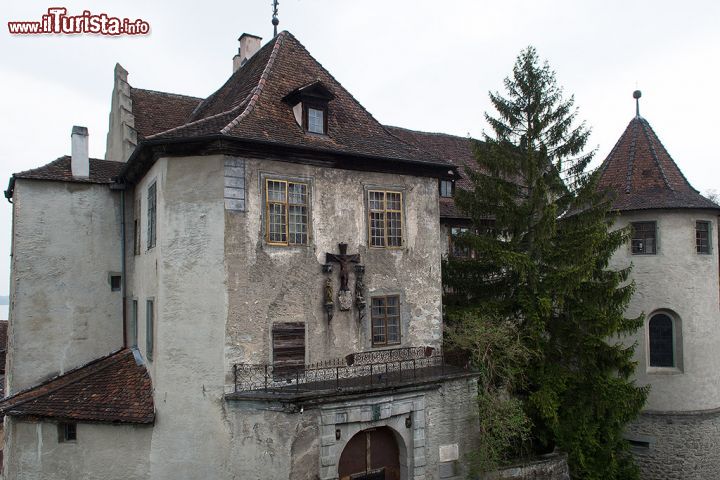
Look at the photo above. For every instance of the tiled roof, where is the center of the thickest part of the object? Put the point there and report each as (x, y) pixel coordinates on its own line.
(458, 151)
(156, 112)
(250, 106)
(101, 171)
(641, 174)
(113, 389)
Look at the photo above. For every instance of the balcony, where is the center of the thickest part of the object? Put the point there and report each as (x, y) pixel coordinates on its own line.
(357, 373)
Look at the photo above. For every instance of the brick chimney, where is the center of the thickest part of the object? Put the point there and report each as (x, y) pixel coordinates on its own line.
(80, 160)
(249, 45)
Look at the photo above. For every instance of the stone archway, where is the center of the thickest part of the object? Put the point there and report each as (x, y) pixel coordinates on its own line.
(371, 454)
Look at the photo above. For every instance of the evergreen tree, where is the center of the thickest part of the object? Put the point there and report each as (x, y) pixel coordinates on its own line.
(544, 265)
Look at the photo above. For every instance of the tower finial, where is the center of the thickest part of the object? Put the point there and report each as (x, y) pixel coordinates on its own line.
(636, 95)
(275, 20)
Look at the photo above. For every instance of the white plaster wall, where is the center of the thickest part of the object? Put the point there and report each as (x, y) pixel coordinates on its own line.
(101, 452)
(680, 280)
(269, 284)
(185, 275)
(66, 241)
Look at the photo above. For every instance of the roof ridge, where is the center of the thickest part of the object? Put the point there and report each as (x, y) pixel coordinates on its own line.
(644, 123)
(50, 380)
(631, 162)
(439, 134)
(166, 93)
(201, 120)
(255, 94)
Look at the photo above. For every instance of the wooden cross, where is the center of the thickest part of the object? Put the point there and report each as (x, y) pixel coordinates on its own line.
(344, 260)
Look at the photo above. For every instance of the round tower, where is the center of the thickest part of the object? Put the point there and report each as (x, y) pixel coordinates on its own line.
(674, 253)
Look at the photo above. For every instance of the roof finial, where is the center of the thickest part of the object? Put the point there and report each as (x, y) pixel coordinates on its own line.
(275, 20)
(636, 95)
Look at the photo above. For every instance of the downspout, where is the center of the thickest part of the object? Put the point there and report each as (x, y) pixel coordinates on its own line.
(117, 185)
(122, 266)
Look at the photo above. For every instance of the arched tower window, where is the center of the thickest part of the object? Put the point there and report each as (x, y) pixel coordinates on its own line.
(662, 340)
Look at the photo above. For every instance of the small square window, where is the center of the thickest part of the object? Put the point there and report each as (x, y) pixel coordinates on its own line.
(67, 432)
(702, 237)
(115, 283)
(316, 120)
(447, 188)
(644, 238)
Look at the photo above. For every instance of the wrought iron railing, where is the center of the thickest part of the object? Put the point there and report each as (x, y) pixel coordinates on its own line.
(356, 371)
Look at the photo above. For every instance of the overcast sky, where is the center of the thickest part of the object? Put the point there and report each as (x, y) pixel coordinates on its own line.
(425, 65)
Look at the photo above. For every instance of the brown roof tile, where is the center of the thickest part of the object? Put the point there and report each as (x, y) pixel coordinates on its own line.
(113, 389)
(155, 112)
(250, 106)
(641, 174)
(101, 171)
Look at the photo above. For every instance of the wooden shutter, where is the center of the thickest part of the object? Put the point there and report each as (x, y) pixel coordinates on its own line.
(288, 347)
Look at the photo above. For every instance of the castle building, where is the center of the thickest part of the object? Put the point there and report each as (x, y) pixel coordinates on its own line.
(247, 286)
(674, 254)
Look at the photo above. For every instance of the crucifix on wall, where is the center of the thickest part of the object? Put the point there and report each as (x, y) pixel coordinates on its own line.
(345, 297)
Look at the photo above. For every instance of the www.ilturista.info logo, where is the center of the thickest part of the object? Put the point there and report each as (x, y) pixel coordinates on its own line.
(57, 21)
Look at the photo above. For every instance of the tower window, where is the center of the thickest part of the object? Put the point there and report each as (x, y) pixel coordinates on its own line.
(644, 238)
(661, 336)
(115, 283)
(702, 237)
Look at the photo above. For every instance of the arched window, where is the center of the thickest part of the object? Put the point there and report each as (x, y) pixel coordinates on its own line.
(661, 333)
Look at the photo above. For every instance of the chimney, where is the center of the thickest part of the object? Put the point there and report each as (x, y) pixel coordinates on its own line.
(80, 160)
(249, 45)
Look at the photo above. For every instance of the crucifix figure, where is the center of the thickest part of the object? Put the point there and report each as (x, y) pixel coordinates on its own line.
(344, 260)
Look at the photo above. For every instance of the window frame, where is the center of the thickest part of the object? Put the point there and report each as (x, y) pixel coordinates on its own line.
(633, 239)
(152, 215)
(149, 328)
(321, 106)
(286, 205)
(137, 241)
(385, 317)
(677, 347)
(708, 238)
(451, 243)
(452, 188)
(67, 432)
(385, 211)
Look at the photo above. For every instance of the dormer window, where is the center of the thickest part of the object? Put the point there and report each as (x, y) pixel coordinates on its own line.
(310, 107)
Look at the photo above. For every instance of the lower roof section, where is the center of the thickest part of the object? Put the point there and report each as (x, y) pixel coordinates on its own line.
(113, 389)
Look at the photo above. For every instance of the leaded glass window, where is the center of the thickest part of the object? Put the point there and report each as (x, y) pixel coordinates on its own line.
(661, 341)
(287, 212)
(702, 237)
(385, 218)
(385, 313)
(644, 236)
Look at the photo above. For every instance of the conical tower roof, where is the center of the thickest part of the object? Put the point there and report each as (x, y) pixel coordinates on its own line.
(642, 175)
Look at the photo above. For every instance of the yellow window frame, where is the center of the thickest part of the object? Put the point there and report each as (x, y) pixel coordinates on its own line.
(286, 208)
(385, 211)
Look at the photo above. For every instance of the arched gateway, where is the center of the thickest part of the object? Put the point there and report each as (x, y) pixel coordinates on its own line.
(371, 454)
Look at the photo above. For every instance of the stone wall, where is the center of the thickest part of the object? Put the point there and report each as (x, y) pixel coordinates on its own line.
(267, 283)
(677, 446)
(547, 467)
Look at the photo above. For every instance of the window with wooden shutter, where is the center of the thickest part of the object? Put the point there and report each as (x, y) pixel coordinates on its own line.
(288, 343)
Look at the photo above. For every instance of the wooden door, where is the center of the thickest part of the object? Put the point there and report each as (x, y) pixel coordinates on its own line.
(372, 454)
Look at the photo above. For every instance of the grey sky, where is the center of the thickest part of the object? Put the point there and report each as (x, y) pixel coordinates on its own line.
(426, 65)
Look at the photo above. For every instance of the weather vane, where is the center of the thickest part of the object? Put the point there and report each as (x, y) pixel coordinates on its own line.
(275, 20)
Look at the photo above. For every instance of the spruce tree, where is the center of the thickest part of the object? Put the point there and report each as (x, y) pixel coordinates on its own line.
(544, 266)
